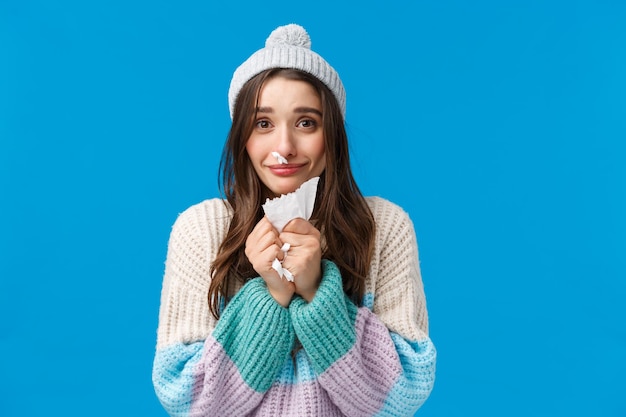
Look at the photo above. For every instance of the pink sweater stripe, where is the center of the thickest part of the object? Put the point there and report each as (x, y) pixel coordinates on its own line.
(361, 380)
(222, 393)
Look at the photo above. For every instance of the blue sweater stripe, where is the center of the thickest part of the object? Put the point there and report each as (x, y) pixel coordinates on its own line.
(174, 377)
(416, 382)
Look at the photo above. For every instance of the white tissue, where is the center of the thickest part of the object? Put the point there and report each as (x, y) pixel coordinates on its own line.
(282, 272)
(281, 159)
(281, 210)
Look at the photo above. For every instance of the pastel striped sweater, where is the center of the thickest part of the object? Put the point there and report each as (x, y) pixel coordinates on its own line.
(374, 360)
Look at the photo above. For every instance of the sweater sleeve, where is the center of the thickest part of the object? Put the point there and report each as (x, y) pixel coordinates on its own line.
(204, 365)
(379, 361)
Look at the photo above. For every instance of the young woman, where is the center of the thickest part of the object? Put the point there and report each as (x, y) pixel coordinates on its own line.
(348, 335)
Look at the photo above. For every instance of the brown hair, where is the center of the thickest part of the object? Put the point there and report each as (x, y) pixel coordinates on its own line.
(341, 213)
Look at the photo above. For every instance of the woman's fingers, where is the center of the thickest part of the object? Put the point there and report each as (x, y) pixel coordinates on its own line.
(263, 236)
(298, 251)
(303, 259)
(301, 227)
(263, 247)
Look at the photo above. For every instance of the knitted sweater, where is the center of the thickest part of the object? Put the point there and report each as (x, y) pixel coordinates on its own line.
(355, 361)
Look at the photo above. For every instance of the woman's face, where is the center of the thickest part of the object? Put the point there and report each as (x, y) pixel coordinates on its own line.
(288, 121)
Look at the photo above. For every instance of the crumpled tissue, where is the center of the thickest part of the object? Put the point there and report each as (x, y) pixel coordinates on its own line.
(281, 210)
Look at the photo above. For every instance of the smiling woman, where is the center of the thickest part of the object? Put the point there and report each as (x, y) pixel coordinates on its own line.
(289, 122)
(348, 334)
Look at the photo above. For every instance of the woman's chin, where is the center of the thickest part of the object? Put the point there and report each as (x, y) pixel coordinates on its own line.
(285, 188)
(282, 191)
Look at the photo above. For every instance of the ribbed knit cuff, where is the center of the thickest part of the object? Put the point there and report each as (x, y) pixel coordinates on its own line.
(325, 326)
(256, 333)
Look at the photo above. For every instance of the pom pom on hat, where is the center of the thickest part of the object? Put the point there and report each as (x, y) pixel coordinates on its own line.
(289, 35)
(287, 46)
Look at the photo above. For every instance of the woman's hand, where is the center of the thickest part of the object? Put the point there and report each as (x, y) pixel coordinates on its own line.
(304, 257)
(262, 247)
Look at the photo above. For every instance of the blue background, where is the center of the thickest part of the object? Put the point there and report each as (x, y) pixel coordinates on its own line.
(499, 127)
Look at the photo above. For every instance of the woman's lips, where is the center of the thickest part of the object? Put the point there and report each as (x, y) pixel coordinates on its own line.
(285, 169)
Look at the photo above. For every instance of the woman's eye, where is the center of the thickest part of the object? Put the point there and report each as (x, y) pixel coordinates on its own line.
(308, 123)
(262, 124)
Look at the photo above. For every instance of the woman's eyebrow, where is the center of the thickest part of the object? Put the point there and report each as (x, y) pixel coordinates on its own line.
(296, 110)
(307, 110)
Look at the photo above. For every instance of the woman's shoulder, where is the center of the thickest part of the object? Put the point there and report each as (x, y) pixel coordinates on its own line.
(213, 213)
(394, 227)
(387, 213)
(213, 208)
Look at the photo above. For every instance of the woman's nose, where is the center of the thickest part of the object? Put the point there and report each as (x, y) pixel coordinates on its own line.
(286, 145)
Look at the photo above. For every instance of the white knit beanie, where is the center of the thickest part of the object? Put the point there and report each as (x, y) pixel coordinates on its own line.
(287, 47)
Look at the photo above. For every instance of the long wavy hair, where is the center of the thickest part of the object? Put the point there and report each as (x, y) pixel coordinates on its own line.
(341, 213)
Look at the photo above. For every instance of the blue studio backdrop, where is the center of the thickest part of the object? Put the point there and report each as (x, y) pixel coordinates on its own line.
(498, 126)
